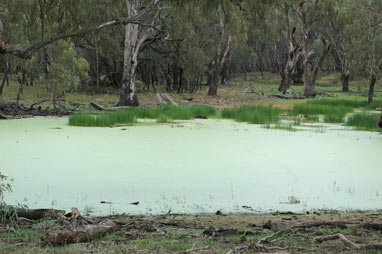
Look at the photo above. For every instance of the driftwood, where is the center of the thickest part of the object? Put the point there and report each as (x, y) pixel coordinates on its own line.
(101, 108)
(349, 243)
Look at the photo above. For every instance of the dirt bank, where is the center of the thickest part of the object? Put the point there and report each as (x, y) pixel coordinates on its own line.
(278, 233)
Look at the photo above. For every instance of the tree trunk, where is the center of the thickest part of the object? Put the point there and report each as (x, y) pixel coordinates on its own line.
(345, 81)
(373, 80)
(128, 96)
(213, 82)
(311, 67)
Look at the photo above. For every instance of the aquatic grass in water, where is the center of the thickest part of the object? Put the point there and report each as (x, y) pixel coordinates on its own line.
(174, 112)
(334, 118)
(88, 120)
(363, 121)
(317, 109)
(280, 126)
(338, 102)
(201, 110)
(163, 119)
(163, 113)
(253, 114)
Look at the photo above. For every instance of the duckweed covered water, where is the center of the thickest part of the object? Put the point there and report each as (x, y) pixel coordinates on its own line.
(197, 166)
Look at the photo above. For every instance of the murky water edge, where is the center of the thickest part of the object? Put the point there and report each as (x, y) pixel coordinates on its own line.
(198, 166)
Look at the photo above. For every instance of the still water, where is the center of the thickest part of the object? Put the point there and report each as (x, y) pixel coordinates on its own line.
(198, 166)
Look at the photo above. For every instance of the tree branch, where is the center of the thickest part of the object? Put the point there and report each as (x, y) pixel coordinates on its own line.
(26, 53)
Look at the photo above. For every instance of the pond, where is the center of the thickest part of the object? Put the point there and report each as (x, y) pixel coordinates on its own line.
(198, 166)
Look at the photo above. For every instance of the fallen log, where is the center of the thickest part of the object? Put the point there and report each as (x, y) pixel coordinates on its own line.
(168, 99)
(348, 243)
(159, 99)
(101, 108)
(80, 234)
(378, 109)
(38, 214)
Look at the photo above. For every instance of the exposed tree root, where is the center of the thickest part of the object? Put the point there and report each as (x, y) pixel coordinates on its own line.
(349, 243)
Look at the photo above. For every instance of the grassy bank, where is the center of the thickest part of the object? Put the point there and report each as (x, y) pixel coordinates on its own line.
(208, 234)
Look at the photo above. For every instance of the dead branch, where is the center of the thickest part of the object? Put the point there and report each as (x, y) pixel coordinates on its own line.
(80, 234)
(378, 109)
(197, 249)
(287, 97)
(339, 224)
(254, 246)
(348, 243)
(38, 214)
(373, 226)
(37, 103)
(26, 53)
(279, 233)
(101, 108)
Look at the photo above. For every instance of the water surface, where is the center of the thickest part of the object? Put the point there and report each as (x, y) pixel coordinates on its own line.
(198, 166)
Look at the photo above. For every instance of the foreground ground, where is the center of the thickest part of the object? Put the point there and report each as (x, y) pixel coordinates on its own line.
(277, 233)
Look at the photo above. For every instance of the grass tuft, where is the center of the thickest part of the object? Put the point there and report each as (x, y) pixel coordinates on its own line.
(253, 114)
(363, 121)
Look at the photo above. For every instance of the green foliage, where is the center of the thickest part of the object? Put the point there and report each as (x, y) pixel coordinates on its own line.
(363, 121)
(7, 212)
(253, 114)
(68, 69)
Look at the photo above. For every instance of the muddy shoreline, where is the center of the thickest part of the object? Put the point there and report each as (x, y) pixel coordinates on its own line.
(331, 232)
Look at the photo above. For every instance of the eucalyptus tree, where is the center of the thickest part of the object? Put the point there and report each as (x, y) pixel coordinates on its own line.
(66, 19)
(134, 39)
(337, 19)
(303, 20)
(366, 30)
